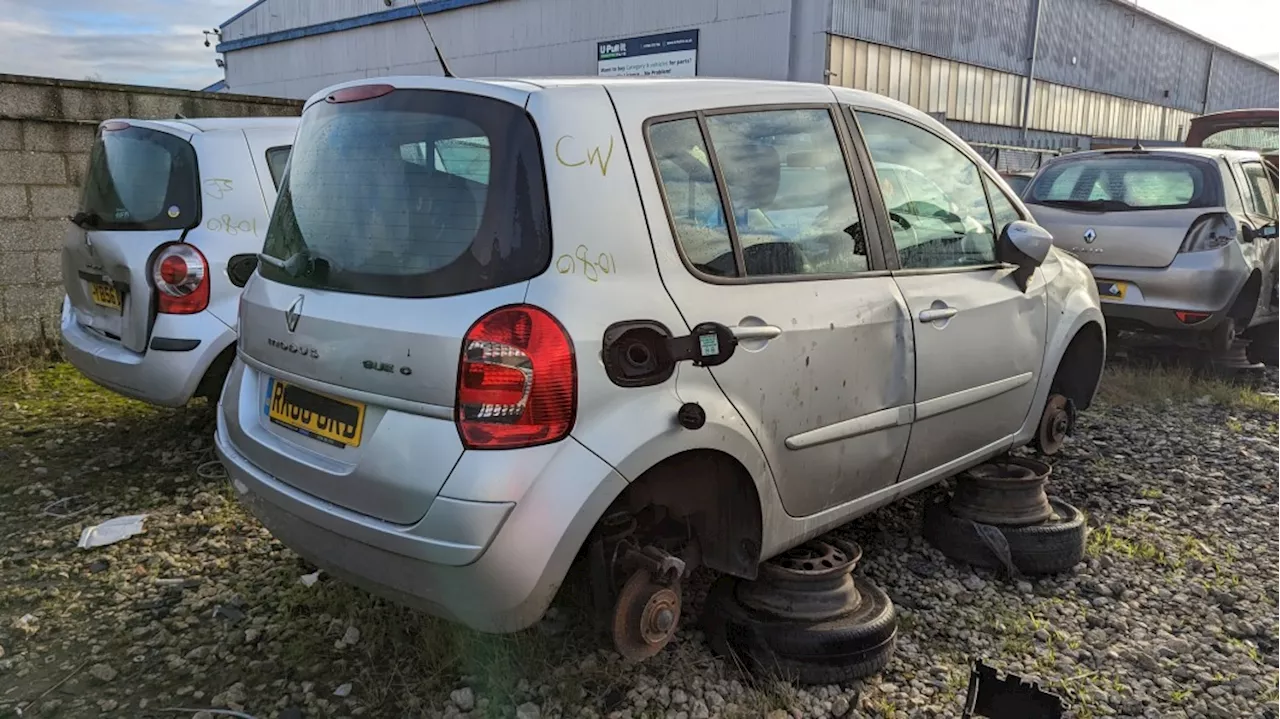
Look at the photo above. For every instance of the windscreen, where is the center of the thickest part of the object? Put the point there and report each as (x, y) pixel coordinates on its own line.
(140, 179)
(416, 193)
(1110, 183)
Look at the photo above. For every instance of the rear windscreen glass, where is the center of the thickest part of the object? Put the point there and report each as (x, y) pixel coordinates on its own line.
(417, 193)
(1115, 183)
(1265, 140)
(141, 179)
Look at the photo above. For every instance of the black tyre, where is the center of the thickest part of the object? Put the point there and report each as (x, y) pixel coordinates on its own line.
(1047, 548)
(853, 646)
(1264, 344)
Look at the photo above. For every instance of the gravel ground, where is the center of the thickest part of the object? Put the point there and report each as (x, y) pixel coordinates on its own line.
(1173, 613)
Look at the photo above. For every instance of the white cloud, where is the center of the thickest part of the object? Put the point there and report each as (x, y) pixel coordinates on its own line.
(147, 42)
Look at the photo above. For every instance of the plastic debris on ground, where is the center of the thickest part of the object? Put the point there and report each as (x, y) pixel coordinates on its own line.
(310, 579)
(111, 531)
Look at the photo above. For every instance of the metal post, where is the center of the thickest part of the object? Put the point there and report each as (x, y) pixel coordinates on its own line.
(1031, 67)
(1208, 80)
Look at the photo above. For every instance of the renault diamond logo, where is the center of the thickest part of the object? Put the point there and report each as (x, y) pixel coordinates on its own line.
(1090, 235)
(292, 314)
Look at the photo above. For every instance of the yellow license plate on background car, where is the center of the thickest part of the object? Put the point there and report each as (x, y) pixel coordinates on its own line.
(105, 295)
(327, 419)
(1113, 291)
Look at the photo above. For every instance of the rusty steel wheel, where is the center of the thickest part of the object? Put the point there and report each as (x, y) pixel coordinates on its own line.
(811, 582)
(645, 616)
(1055, 425)
(1008, 492)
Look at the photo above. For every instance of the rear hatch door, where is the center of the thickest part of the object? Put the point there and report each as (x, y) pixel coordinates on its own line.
(141, 192)
(404, 217)
(1123, 209)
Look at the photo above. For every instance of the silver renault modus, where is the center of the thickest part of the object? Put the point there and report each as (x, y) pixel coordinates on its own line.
(494, 320)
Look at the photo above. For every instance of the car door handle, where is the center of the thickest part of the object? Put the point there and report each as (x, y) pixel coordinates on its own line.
(937, 313)
(755, 332)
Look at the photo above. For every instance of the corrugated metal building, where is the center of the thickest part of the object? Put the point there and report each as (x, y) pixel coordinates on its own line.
(1095, 69)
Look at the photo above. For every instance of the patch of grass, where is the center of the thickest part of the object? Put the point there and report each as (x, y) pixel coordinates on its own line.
(1150, 493)
(1123, 385)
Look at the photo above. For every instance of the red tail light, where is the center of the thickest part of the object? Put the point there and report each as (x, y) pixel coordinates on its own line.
(181, 277)
(517, 380)
(1191, 318)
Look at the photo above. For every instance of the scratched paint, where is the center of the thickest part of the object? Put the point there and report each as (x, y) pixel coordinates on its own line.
(227, 225)
(217, 187)
(570, 154)
(581, 263)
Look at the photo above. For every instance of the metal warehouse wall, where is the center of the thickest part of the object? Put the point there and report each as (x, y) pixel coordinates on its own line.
(738, 38)
(1100, 45)
(989, 33)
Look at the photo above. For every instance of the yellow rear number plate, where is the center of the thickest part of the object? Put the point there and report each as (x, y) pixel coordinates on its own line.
(1112, 290)
(105, 295)
(327, 419)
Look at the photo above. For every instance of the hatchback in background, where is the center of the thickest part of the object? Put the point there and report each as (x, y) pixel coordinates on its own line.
(660, 322)
(171, 219)
(1181, 241)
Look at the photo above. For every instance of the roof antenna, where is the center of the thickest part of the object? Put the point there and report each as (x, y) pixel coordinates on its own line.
(439, 56)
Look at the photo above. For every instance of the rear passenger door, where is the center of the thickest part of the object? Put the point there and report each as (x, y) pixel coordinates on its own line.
(770, 228)
(979, 338)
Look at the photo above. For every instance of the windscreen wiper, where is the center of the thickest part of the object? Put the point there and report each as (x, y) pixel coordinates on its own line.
(86, 219)
(1087, 205)
(303, 262)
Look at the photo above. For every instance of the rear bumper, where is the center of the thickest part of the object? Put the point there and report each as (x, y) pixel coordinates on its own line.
(166, 377)
(1203, 282)
(491, 565)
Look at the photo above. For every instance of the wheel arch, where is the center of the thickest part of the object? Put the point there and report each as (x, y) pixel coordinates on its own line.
(716, 494)
(210, 384)
(1245, 305)
(1079, 370)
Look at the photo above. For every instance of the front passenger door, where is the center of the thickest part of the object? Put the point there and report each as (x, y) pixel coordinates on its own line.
(979, 338)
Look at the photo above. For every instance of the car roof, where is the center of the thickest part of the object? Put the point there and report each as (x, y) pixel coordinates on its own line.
(694, 86)
(1163, 151)
(194, 125)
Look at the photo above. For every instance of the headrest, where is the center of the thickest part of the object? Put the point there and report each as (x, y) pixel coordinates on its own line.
(752, 172)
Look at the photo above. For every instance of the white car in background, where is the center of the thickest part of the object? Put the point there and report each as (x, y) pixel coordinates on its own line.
(169, 226)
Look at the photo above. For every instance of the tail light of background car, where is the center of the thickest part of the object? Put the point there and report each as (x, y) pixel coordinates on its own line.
(181, 277)
(517, 380)
(1209, 232)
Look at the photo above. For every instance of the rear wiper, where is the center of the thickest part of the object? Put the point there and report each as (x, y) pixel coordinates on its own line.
(1088, 205)
(83, 219)
(303, 262)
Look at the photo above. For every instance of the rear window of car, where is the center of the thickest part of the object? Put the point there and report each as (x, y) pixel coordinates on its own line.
(417, 193)
(1117, 183)
(1264, 140)
(140, 179)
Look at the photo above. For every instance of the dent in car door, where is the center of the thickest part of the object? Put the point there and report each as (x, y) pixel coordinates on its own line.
(823, 372)
(979, 339)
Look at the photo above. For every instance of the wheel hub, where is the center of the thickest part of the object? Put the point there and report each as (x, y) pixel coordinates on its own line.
(1005, 493)
(811, 582)
(1055, 425)
(645, 617)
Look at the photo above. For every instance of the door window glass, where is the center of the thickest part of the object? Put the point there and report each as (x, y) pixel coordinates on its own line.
(789, 191)
(934, 194)
(277, 160)
(692, 197)
(1002, 209)
(1264, 193)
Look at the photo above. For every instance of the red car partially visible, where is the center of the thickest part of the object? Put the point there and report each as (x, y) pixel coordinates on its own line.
(1254, 129)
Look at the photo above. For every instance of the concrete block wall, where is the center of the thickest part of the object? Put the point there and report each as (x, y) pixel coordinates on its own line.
(47, 129)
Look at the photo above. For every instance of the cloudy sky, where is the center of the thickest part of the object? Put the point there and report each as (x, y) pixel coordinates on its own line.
(159, 42)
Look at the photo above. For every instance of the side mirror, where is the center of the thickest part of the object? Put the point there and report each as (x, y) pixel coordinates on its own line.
(1026, 245)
